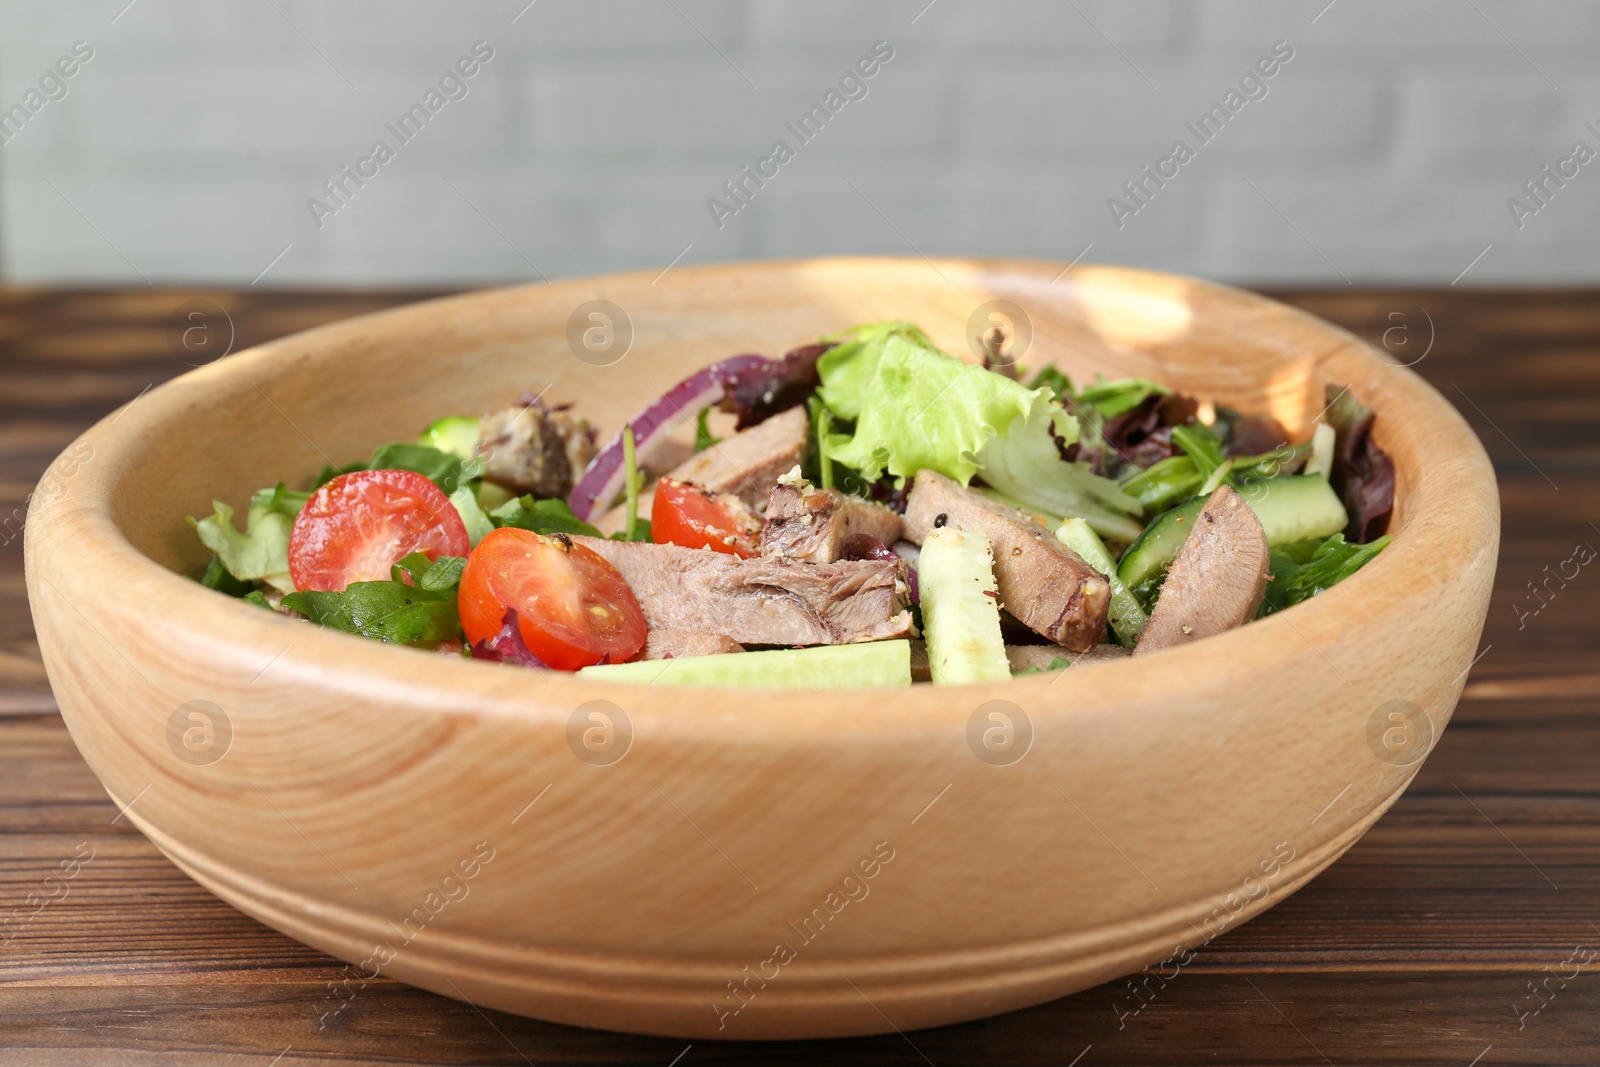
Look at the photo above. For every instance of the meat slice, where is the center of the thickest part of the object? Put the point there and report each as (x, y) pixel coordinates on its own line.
(813, 524)
(531, 448)
(748, 463)
(675, 644)
(1041, 582)
(763, 600)
(1023, 657)
(1217, 579)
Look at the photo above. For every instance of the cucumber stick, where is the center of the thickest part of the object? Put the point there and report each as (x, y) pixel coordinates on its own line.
(960, 608)
(455, 434)
(871, 665)
(1126, 616)
(1293, 508)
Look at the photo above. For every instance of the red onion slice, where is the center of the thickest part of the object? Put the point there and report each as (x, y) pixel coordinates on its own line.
(507, 646)
(602, 480)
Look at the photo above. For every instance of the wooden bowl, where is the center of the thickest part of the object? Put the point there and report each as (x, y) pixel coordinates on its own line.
(755, 865)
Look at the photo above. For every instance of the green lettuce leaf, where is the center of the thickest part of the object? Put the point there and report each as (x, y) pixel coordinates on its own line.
(849, 367)
(260, 553)
(1025, 466)
(923, 409)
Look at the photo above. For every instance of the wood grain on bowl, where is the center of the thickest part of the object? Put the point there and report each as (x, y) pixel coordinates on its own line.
(732, 864)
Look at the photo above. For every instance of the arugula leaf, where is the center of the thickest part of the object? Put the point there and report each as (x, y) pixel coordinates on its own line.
(641, 532)
(444, 469)
(260, 553)
(1164, 483)
(432, 575)
(329, 472)
(541, 516)
(1305, 568)
(1200, 445)
(384, 611)
(703, 438)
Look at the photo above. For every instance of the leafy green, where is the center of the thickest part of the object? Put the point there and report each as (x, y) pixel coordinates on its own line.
(260, 553)
(1164, 483)
(384, 611)
(444, 469)
(641, 532)
(1122, 395)
(923, 409)
(1057, 382)
(1200, 445)
(703, 437)
(1305, 568)
(218, 578)
(433, 575)
(541, 516)
(422, 613)
(258, 598)
(473, 517)
(280, 498)
(848, 367)
(329, 472)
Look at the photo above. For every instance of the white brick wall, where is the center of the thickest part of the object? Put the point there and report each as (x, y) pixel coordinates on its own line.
(186, 149)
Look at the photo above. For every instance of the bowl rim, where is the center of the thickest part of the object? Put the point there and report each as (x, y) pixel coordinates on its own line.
(1446, 518)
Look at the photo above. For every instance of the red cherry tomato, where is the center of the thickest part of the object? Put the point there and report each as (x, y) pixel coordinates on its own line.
(359, 525)
(687, 515)
(573, 608)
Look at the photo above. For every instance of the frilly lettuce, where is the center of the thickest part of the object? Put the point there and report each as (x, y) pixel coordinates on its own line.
(917, 408)
(260, 553)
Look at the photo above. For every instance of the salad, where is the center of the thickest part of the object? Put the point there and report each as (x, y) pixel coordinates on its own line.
(866, 510)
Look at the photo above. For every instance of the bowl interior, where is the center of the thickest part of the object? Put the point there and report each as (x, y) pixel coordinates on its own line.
(331, 395)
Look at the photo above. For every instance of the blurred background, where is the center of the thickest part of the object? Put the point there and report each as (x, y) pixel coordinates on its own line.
(193, 144)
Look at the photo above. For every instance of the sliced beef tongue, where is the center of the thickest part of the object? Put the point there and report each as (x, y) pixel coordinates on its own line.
(764, 600)
(816, 524)
(748, 463)
(675, 644)
(1041, 581)
(1217, 580)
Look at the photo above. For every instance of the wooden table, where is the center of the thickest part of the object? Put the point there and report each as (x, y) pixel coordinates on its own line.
(1422, 945)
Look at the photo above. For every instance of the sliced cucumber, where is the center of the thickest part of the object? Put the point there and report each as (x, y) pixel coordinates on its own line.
(1321, 461)
(1292, 508)
(961, 608)
(1126, 616)
(1158, 546)
(871, 665)
(1296, 507)
(491, 496)
(455, 434)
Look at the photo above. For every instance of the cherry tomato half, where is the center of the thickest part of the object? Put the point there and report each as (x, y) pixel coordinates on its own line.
(687, 515)
(359, 525)
(573, 608)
